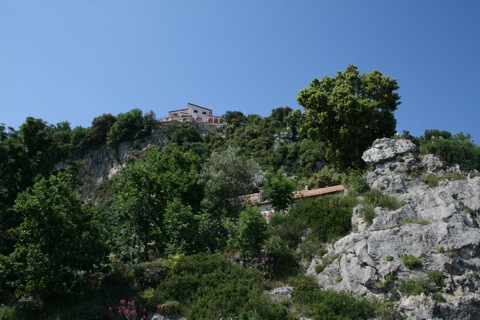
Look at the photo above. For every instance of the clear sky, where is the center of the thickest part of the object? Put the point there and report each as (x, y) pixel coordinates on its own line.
(75, 60)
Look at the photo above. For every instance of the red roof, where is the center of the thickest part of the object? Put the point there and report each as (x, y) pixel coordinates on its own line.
(302, 193)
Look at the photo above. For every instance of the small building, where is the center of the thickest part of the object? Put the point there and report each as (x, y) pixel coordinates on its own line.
(266, 206)
(196, 115)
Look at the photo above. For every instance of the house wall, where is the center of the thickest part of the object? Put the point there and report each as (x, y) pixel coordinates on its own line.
(195, 114)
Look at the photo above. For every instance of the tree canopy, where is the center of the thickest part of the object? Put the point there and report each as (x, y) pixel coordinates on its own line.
(348, 112)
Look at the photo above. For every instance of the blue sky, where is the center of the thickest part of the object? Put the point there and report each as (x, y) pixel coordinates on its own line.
(75, 60)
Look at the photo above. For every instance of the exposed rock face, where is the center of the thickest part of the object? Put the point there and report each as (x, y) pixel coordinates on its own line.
(387, 149)
(104, 163)
(438, 225)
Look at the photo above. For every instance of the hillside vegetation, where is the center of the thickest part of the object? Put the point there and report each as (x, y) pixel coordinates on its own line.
(169, 234)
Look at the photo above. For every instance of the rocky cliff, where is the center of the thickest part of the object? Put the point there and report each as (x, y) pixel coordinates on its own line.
(102, 164)
(424, 256)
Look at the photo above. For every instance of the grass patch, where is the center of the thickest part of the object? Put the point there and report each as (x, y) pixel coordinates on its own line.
(376, 198)
(385, 283)
(431, 180)
(423, 221)
(425, 285)
(411, 262)
(368, 213)
(416, 287)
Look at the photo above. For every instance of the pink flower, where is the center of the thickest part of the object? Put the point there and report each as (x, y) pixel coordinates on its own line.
(122, 302)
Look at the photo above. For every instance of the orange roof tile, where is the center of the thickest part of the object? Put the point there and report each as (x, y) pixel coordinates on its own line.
(303, 193)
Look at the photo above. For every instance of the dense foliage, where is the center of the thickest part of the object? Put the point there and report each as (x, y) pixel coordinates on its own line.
(348, 112)
(175, 231)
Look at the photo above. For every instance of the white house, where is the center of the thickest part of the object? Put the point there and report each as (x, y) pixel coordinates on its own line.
(196, 115)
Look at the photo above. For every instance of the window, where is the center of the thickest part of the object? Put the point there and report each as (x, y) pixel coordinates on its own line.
(203, 112)
(195, 111)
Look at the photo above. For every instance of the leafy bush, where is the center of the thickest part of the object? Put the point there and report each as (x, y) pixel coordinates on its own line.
(390, 202)
(459, 149)
(329, 216)
(355, 181)
(326, 177)
(149, 274)
(290, 229)
(33, 309)
(131, 126)
(411, 262)
(170, 308)
(417, 286)
(368, 213)
(376, 198)
(250, 232)
(286, 260)
(329, 304)
(454, 176)
(201, 282)
(435, 276)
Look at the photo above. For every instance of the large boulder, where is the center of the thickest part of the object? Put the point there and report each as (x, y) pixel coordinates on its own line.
(387, 149)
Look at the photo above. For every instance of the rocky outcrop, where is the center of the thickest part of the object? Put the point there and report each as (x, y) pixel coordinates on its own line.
(387, 149)
(439, 226)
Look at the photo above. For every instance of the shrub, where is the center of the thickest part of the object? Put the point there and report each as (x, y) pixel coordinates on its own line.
(290, 229)
(311, 248)
(149, 274)
(286, 260)
(376, 198)
(411, 262)
(326, 177)
(355, 181)
(328, 216)
(202, 282)
(440, 298)
(170, 308)
(417, 286)
(454, 176)
(328, 304)
(435, 276)
(390, 202)
(459, 149)
(383, 284)
(431, 180)
(368, 213)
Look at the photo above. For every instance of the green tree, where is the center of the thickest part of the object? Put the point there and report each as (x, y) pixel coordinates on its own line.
(58, 242)
(181, 228)
(279, 190)
(226, 176)
(348, 112)
(147, 187)
(131, 126)
(100, 128)
(250, 232)
(457, 149)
